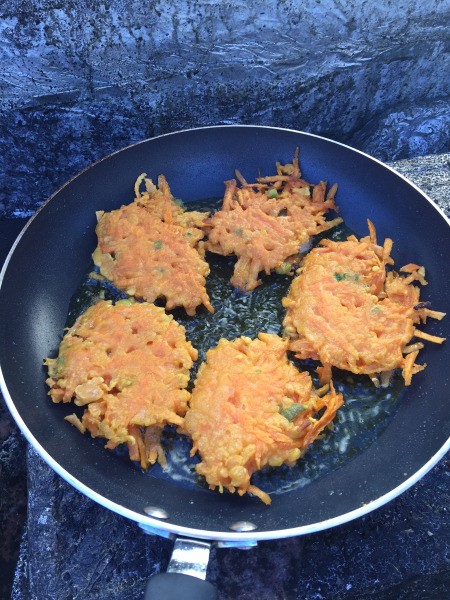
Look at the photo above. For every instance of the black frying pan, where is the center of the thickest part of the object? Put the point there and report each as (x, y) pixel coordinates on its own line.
(52, 255)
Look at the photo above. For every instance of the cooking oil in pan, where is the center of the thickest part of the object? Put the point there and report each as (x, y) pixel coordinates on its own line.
(366, 412)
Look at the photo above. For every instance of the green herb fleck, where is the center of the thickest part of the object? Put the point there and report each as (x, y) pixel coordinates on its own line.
(291, 412)
(284, 268)
(179, 202)
(239, 232)
(96, 276)
(272, 193)
(346, 276)
(158, 245)
(125, 302)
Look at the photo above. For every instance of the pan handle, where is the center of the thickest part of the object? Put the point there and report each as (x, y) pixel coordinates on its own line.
(186, 573)
(176, 586)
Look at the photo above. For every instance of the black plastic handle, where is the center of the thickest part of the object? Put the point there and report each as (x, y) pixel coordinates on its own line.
(177, 586)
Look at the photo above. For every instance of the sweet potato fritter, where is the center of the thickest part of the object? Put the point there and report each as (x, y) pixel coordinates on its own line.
(160, 202)
(347, 311)
(251, 407)
(149, 249)
(128, 363)
(265, 223)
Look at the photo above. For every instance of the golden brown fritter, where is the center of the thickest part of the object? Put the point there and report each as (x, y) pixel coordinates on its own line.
(151, 258)
(128, 363)
(260, 240)
(251, 407)
(264, 224)
(347, 311)
(160, 202)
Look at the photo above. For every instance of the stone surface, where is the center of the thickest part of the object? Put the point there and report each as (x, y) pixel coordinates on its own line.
(13, 496)
(398, 552)
(414, 130)
(431, 174)
(79, 80)
(13, 487)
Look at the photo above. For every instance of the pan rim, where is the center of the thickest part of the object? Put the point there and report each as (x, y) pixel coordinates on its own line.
(156, 525)
(160, 526)
(209, 127)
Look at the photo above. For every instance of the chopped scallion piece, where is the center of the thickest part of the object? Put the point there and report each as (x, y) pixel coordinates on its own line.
(179, 202)
(346, 276)
(291, 412)
(125, 302)
(272, 193)
(284, 268)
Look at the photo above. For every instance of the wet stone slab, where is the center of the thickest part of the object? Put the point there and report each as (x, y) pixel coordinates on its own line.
(79, 81)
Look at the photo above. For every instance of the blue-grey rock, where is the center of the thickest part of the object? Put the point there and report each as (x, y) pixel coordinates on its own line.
(432, 175)
(415, 130)
(13, 498)
(80, 79)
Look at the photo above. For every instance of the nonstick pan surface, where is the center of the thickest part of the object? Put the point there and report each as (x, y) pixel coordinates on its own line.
(52, 255)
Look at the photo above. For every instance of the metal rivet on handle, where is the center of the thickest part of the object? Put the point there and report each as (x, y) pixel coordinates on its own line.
(155, 511)
(242, 526)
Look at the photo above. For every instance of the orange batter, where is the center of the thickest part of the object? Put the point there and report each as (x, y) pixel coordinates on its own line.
(264, 224)
(251, 407)
(345, 310)
(160, 202)
(149, 249)
(128, 364)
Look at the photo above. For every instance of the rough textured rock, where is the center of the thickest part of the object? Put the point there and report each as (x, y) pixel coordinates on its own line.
(431, 174)
(411, 130)
(79, 80)
(13, 496)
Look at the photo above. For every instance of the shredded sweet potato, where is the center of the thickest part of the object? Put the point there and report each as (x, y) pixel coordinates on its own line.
(128, 364)
(159, 201)
(265, 223)
(346, 310)
(251, 407)
(149, 249)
